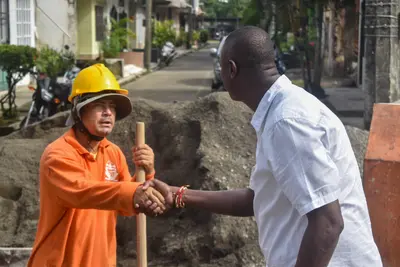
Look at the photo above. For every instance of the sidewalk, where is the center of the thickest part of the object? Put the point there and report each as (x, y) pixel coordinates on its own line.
(347, 103)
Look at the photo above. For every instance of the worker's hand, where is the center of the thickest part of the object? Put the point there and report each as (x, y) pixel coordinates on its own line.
(143, 156)
(163, 188)
(149, 201)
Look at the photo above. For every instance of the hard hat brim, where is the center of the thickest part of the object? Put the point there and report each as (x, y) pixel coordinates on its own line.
(123, 105)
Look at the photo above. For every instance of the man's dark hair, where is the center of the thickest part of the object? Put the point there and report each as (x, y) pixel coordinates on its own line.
(250, 47)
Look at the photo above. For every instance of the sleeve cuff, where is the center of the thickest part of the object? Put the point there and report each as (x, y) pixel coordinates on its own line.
(318, 202)
(126, 192)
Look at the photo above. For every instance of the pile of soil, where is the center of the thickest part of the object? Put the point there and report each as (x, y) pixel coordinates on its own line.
(208, 144)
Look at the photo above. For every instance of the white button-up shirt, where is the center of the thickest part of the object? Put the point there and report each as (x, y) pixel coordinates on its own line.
(304, 160)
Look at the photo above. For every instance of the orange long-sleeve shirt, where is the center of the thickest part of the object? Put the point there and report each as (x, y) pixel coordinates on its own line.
(80, 196)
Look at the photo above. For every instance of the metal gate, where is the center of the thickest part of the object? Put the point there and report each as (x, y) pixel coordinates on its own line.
(4, 37)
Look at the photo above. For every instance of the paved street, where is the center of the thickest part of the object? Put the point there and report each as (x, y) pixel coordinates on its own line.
(185, 79)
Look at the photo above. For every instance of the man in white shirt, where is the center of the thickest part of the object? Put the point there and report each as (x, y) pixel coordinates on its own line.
(305, 189)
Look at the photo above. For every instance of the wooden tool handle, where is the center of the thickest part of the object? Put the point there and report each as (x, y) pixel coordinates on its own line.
(141, 235)
(140, 140)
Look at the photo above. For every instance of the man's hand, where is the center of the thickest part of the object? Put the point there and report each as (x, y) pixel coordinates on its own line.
(149, 201)
(143, 156)
(163, 188)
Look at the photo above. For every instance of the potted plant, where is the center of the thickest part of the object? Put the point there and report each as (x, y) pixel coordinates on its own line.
(196, 38)
(114, 47)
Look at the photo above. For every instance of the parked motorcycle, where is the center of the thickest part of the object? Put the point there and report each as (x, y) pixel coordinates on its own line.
(49, 97)
(168, 53)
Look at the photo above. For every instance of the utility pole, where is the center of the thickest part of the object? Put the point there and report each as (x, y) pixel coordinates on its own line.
(191, 18)
(190, 33)
(147, 46)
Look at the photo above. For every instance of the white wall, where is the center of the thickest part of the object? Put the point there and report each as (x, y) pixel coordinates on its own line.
(56, 24)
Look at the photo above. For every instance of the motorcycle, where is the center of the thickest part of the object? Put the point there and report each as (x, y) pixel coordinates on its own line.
(168, 53)
(49, 97)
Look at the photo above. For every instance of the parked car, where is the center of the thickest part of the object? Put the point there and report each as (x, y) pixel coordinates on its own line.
(216, 53)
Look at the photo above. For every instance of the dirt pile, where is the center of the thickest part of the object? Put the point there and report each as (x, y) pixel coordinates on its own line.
(208, 144)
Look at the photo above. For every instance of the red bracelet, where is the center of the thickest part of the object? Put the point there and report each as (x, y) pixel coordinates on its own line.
(151, 175)
(179, 197)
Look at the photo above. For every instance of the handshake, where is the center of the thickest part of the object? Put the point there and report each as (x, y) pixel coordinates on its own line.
(155, 197)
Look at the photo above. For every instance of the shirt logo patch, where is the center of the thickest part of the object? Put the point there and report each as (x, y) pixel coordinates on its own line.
(111, 172)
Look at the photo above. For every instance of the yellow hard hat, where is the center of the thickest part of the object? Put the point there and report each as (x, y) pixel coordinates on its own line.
(95, 79)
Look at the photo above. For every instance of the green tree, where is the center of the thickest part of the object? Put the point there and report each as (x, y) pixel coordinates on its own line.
(16, 61)
(220, 9)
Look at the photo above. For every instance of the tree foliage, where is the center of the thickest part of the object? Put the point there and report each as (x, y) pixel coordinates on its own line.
(117, 38)
(225, 9)
(16, 61)
(53, 62)
(163, 31)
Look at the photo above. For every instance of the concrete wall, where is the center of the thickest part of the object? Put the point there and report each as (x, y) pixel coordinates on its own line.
(381, 68)
(56, 24)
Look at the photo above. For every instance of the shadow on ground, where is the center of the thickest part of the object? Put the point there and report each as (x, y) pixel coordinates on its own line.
(165, 95)
(194, 81)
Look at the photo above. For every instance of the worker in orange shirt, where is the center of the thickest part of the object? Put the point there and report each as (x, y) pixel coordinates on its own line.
(85, 181)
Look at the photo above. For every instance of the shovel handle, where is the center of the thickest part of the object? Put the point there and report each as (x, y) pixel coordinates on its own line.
(141, 235)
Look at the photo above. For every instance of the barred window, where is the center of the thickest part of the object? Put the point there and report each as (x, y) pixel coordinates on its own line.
(99, 13)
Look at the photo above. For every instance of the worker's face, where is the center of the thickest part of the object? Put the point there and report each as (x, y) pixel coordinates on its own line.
(99, 117)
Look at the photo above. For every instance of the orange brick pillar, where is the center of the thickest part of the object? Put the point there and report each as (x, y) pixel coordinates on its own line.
(382, 181)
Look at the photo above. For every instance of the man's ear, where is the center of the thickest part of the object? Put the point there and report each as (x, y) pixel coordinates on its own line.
(232, 69)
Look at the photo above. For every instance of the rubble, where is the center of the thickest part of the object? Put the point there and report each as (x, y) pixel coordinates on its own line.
(208, 144)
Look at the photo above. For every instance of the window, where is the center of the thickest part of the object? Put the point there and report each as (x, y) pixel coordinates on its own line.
(24, 22)
(169, 13)
(99, 23)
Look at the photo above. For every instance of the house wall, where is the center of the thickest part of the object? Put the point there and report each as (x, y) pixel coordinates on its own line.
(88, 47)
(56, 24)
(85, 28)
(163, 15)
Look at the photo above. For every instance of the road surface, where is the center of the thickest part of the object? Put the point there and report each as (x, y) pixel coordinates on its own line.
(186, 79)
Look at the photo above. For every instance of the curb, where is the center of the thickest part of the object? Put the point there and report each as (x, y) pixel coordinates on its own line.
(133, 77)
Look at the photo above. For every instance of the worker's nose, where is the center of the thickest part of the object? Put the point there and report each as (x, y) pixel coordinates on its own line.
(107, 111)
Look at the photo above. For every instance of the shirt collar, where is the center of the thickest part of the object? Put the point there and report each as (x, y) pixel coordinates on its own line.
(266, 101)
(70, 138)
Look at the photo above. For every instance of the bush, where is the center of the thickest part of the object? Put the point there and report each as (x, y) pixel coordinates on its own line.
(181, 38)
(53, 62)
(204, 35)
(163, 32)
(16, 61)
(111, 47)
(117, 38)
(196, 36)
